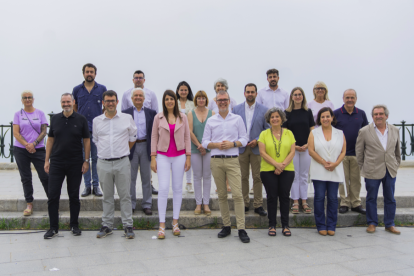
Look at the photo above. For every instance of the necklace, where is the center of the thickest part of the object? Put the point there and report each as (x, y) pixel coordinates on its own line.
(277, 147)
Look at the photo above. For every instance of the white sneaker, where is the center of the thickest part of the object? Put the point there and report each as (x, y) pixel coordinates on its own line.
(251, 191)
(189, 188)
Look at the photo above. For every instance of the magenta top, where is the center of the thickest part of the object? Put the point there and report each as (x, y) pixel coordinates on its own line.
(172, 148)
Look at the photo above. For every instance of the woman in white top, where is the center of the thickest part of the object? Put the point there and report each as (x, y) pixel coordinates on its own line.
(327, 147)
(321, 99)
(186, 104)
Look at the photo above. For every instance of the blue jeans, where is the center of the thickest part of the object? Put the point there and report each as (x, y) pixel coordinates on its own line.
(87, 175)
(331, 189)
(390, 206)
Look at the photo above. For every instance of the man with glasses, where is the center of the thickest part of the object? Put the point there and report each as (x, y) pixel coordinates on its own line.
(114, 135)
(150, 102)
(224, 133)
(273, 95)
(88, 102)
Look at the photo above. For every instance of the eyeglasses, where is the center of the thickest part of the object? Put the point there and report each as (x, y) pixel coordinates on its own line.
(138, 78)
(27, 98)
(297, 95)
(319, 88)
(110, 101)
(223, 100)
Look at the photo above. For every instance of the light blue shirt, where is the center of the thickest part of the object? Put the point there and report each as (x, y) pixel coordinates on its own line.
(139, 118)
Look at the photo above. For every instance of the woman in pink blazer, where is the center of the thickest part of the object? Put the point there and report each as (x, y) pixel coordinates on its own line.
(170, 152)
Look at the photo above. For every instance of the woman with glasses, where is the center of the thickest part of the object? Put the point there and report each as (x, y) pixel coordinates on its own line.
(170, 153)
(300, 121)
(186, 104)
(200, 157)
(29, 130)
(321, 99)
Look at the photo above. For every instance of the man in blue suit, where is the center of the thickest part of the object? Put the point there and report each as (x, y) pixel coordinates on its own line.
(254, 120)
(140, 155)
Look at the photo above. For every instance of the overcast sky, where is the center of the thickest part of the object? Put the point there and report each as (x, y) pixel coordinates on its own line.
(365, 45)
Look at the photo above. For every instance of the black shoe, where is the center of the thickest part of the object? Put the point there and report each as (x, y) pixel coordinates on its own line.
(260, 211)
(225, 231)
(50, 234)
(133, 210)
(86, 192)
(154, 191)
(97, 191)
(76, 231)
(246, 209)
(243, 236)
(129, 233)
(105, 231)
(359, 209)
(343, 209)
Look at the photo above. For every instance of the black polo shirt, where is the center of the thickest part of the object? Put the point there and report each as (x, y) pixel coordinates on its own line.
(68, 134)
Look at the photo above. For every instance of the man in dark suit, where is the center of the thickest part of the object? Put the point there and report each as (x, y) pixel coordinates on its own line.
(253, 115)
(140, 155)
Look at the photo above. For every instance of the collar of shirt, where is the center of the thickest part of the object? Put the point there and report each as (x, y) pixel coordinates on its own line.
(71, 115)
(377, 130)
(106, 118)
(344, 111)
(249, 107)
(96, 84)
(271, 90)
(142, 109)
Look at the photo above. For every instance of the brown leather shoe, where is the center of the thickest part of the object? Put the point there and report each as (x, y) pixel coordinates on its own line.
(147, 211)
(331, 233)
(393, 230)
(371, 228)
(322, 232)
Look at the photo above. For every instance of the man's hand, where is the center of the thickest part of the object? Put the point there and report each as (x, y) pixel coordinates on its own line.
(252, 143)
(226, 145)
(47, 166)
(85, 167)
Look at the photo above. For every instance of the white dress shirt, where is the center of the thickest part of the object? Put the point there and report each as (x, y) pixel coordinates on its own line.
(139, 119)
(111, 136)
(150, 101)
(269, 98)
(249, 111)
(218, 129)
(382, 137)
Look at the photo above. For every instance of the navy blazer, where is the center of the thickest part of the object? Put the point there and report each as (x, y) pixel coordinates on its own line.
(149, 120)
(258, 123)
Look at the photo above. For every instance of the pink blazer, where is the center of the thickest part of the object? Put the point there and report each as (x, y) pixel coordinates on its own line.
(160, 137)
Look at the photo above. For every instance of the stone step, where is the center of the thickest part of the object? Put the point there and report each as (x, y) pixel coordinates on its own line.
(93, 203)
(92, 219)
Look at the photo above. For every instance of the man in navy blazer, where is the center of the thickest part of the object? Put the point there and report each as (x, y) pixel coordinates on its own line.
(253, 115)
(140, 154)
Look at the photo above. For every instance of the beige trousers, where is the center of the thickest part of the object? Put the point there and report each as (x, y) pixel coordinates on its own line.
(352, 183)
(245, 159)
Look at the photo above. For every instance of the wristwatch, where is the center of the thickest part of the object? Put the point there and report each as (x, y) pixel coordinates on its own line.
(235, 144)
(87, 160)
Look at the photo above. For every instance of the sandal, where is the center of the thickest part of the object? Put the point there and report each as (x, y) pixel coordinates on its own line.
(306, 208)
(29, 209)
(161, 233)
(295, 210)
(176, 230)
(286, 233)
(272, 232)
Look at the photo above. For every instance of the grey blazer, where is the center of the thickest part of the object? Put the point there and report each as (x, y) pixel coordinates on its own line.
(373, 160)
(258, 123)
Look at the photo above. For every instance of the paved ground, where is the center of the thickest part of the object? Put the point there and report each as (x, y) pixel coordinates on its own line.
(351, 251)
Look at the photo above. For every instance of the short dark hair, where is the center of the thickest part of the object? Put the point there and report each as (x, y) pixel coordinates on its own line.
(190, 93)
(139, 72)
(250, 84)
(109, 93)
(324, 109)
(272, 71)
(89, 65)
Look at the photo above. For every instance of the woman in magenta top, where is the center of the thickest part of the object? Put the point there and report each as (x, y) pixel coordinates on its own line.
(170, 153)
(29, 130)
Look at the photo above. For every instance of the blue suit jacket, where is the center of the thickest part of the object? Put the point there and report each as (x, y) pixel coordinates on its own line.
(258, 123)
(149, 120)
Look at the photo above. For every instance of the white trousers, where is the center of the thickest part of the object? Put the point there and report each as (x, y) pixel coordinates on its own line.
(202, 177)
(165, 166)
(301, 161)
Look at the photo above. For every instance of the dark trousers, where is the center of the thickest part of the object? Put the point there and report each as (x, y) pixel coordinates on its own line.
(57, 173)
(23, 160)
(278, 186)
(331, 190)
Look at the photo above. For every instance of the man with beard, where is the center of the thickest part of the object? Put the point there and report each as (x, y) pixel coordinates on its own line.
(273, 95)
(253, 115)
(64, 149)
(224, 133)
(88, 102)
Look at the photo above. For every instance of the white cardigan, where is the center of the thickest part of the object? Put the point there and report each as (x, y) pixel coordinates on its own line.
(317, 171)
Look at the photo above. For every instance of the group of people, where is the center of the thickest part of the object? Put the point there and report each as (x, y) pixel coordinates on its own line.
(281, 137)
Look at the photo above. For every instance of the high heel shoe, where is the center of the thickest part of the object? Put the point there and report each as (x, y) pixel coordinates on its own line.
(176, 230)
(161, 233)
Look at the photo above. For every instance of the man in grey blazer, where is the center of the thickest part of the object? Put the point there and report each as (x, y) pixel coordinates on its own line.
(253, 117)
(378, 154)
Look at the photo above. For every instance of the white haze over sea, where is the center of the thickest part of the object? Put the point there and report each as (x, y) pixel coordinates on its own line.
(365, 45)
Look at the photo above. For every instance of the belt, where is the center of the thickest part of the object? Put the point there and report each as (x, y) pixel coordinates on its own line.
(140, 141)
(224, 156)
(114, 159)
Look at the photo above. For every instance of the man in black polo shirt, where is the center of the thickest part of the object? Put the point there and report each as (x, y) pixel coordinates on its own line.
(64, 149)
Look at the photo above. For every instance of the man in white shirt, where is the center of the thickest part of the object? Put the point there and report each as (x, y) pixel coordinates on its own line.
(224, 134)
(114, 135)
(273, 95)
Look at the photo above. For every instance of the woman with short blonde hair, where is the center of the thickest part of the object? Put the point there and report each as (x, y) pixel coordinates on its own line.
(321, 99)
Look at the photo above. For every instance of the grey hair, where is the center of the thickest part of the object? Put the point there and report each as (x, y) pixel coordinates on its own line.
(350, 89)
(137, 89)
(386, 111)
(273, 110)
(222, 92)
(67, 94)
(223, 82)
(27, 91)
